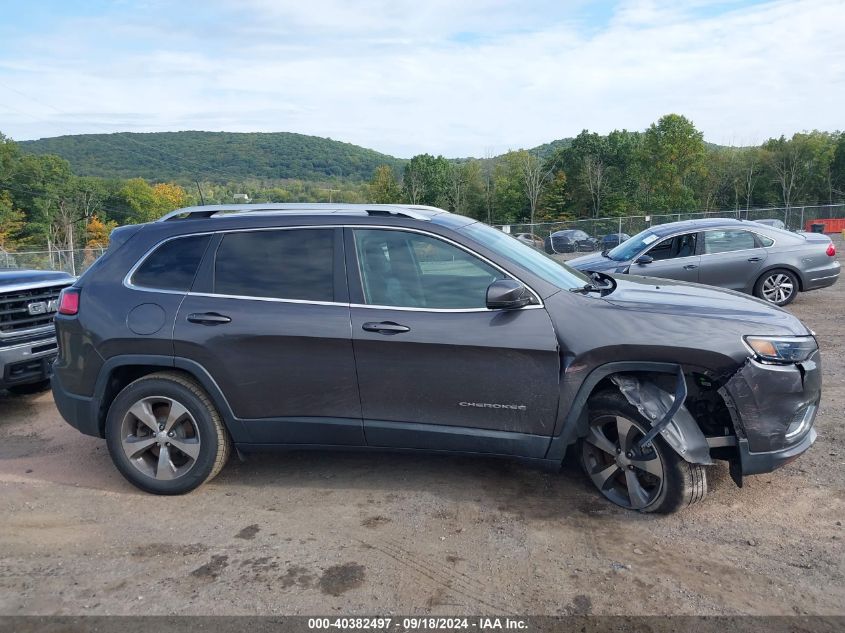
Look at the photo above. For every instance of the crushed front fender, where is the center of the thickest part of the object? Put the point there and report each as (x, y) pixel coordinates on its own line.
(682, 433)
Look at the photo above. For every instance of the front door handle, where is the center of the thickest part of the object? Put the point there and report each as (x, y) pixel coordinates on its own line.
(755, 259)
(209, 318)
(385, 327)
(690, 266)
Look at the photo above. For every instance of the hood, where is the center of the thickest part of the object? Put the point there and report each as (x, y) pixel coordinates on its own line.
(597, 262)
(16, 277)
(644, 295)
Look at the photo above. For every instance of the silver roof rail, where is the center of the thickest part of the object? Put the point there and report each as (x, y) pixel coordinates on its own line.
(215, 210)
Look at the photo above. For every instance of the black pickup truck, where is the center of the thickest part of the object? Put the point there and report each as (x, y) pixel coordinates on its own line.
(28, 303)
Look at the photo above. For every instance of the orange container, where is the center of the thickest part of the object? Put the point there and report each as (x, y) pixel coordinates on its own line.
(831, 225)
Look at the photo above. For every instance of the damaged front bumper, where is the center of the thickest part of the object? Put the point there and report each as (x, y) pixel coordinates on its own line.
(756, 463)
(773, 409)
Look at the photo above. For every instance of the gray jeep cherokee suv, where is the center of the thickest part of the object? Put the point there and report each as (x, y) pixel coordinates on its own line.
(266, 327)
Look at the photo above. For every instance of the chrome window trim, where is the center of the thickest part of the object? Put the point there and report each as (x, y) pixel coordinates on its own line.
(214, 295)
(532, 306)
(127, 280)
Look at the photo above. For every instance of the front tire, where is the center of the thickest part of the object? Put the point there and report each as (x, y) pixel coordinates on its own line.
(652, 479)
(165, 435)
(777, 286)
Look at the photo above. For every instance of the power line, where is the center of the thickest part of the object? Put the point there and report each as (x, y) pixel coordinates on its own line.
(51, 196)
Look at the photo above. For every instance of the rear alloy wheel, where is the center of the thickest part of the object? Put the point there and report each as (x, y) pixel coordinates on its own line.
(165, 435)
(778, 286)
(160, 438)
(652, 478)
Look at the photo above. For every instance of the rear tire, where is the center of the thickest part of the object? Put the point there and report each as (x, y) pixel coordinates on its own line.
(165, 435)
(779, 287)
(652, 479)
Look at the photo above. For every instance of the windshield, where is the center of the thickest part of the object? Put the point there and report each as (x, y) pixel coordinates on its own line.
(630, 247)
(523, 255)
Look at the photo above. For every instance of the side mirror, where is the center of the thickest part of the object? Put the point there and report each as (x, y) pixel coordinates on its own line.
(507, 294)
(644, 259)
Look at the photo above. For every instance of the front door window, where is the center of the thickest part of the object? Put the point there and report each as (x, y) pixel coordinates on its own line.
(412, 270)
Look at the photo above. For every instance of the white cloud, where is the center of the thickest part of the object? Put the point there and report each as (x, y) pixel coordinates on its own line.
(442, 77)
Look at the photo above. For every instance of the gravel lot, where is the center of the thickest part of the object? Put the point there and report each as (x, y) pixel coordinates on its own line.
(334, 533)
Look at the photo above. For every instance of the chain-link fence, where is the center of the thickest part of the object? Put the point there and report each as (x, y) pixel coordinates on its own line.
(603, 232)
(74, 262)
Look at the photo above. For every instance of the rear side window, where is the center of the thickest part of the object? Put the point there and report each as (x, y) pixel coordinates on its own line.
(727, 241)
(765, 241)
(173, 265)
(284, 264)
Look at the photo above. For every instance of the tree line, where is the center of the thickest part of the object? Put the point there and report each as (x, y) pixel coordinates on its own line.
(43, 203)
(666, 168)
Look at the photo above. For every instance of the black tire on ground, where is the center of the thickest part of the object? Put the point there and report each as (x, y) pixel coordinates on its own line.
(206, 430)
(780, 285)
(29, 388)
(680, 483)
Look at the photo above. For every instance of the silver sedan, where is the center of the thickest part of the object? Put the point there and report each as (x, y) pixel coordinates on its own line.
(767, 262)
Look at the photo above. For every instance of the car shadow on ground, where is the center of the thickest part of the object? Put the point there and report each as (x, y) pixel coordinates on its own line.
(512, 486)
(36, 445)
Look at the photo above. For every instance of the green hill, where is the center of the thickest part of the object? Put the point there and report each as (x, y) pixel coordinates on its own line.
(213, 156)
(221, 156)
(547, 149)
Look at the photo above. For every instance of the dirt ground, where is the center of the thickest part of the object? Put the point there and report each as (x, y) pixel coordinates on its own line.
(342, 534)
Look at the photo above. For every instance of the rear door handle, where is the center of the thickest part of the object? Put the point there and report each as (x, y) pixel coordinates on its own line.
(755, 259)
(209, 318)
(385, 327)
(690, 266)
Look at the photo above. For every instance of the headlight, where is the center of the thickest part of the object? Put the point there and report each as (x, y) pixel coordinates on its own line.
(782, 349)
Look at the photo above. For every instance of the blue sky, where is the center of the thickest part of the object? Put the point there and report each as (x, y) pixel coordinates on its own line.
(458, 78)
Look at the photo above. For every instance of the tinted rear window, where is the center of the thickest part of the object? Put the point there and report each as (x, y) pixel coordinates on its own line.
(285, 264)
(727, 240)
(173, 265)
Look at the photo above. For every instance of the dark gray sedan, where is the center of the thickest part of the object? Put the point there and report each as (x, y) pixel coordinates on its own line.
(770, 263)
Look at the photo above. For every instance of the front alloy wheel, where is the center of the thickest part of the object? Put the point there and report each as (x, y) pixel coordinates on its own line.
(651, 478)
(630, 476)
